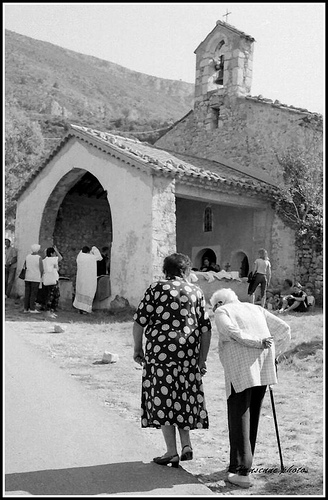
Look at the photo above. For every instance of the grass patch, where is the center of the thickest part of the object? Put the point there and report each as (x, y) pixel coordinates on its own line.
(298, 395)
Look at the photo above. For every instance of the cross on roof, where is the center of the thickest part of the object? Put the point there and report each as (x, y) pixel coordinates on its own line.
(226, 15)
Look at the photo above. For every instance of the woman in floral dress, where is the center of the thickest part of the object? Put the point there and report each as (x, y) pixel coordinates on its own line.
(177, 339)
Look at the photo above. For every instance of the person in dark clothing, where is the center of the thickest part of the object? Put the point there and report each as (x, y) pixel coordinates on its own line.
(103, 265)
(296, 301)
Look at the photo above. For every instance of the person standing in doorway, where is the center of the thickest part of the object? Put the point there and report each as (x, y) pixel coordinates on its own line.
(10, 266)
(178, 335)
(103, 265)
(86, 278)
(262, 276)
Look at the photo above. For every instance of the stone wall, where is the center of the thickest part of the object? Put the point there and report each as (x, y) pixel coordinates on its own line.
(163, 222)
(282, 256)
(250, 133)
(232, 231)
(309, 271)
(240, 287)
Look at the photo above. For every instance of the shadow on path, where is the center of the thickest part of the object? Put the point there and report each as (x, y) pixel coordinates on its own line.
(125, 477)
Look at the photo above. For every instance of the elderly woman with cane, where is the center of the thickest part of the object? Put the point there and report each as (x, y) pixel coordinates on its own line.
(250, 339)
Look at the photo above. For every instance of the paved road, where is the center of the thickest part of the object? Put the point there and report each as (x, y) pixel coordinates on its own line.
(59, 440)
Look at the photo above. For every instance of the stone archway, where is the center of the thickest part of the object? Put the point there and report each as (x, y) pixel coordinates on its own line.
(77, 213)
(203, 254)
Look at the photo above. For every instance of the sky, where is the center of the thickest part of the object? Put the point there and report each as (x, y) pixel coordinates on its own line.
(159, 39)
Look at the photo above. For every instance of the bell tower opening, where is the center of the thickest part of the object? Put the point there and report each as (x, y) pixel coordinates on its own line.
(224, 63)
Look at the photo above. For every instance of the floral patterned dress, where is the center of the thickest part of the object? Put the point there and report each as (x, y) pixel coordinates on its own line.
(173, 313)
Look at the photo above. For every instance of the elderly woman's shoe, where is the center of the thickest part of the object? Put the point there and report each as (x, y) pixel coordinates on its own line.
(187, 454)
(173, 460)
(238, 480)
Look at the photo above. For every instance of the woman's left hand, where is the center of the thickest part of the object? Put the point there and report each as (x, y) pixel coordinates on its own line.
(203, 368)
(139, 357)
(268, 341)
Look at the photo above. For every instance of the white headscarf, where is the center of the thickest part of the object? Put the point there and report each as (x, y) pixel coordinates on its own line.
(224, 296)
(35, 248)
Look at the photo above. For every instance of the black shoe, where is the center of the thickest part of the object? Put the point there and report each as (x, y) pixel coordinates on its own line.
(167, 460)
(188, 454)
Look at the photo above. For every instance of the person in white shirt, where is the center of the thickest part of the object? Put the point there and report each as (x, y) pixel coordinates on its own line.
(250, 339)
(262, 276)
(310, 300)
(51, 280)
(33, 277)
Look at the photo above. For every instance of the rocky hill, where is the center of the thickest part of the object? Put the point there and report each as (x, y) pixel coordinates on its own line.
(55, 86)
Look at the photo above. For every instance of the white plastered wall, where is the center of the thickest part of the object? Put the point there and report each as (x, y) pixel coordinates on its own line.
(129, 192)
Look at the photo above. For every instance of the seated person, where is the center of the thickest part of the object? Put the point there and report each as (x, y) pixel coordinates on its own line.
(287, 287)
(207, 266)
(310, 300)
(269, 301)
(273, 301)
(277, 301)
(294, 301)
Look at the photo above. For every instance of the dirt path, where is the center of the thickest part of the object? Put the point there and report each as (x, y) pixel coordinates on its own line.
(298, 399)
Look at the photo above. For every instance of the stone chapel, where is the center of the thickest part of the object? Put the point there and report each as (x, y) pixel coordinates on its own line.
(207, 186)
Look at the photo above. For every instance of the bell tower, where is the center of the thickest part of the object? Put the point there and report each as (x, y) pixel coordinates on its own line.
(223, 64)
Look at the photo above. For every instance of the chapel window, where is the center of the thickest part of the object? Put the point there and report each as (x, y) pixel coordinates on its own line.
(215, 118)
(208, 219)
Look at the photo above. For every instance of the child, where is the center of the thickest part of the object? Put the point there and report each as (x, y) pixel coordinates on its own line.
(277, 302)
(310, 300)
(269, 301)
(273, 302)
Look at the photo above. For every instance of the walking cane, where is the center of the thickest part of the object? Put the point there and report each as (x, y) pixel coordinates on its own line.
(276, 423)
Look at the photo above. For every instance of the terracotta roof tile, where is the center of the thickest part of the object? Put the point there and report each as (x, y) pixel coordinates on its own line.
(154, 160)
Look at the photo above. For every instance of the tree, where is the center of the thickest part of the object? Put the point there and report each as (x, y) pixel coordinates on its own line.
(24, 148)
(300, 203)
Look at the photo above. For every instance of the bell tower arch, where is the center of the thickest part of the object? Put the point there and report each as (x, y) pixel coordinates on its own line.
(224, 63)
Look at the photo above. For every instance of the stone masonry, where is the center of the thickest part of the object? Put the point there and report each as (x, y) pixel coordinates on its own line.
(228, 124)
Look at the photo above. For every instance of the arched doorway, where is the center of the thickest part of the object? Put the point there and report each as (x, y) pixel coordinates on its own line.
(203, 254)
(76, 214)
(239, 262)
(83, 218)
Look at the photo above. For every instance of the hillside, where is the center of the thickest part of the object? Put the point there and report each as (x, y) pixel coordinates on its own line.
(55, 86)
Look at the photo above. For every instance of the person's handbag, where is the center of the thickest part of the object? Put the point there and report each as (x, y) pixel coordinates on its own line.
(23, 272)
(250, 280)
(251, 277)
